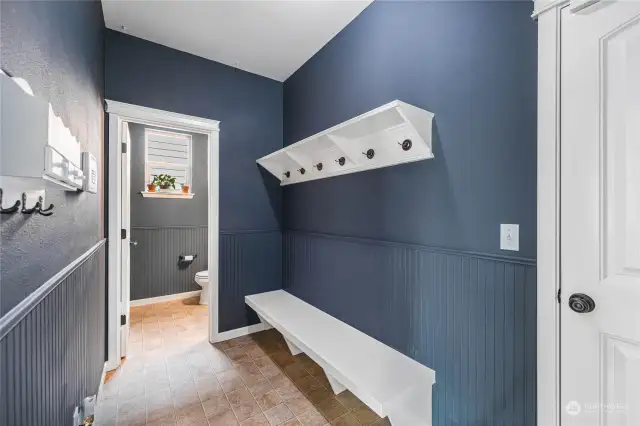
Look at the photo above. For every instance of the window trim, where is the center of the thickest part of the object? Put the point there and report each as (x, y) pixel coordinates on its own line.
(148, 164)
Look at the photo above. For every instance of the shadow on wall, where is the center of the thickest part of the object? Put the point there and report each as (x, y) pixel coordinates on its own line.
(272, 186)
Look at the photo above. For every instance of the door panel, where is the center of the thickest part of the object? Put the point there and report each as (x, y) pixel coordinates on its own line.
(600, 214)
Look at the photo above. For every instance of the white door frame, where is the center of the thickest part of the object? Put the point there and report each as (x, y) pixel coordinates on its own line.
(548, 15)
(118, 113)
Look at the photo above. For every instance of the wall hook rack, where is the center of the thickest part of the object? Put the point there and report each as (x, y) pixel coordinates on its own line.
(318, 166)
(37, 208)
(370, 153)
(11, 210)
(341, 161)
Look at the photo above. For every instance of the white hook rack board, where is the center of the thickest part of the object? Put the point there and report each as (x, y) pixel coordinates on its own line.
(383, 130)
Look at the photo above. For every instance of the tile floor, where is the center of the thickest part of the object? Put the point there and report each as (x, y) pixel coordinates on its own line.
(174, 377)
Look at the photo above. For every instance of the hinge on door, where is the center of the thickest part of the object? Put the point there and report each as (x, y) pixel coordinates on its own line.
(124, 148)
(559, 296)
(123, 234)
(123, 319)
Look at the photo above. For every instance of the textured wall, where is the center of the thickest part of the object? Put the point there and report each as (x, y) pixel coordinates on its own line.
(57, 46)
(410, 254)
(250, 110)
(53, 357)
(473, 64)
(470, 317)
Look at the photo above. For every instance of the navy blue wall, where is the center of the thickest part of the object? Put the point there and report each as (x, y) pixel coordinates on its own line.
(473, 64)
(250, 110)
(410, 254)
(58, 47)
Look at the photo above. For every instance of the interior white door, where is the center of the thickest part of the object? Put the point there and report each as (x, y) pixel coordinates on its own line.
(126, 241)
(600, 214)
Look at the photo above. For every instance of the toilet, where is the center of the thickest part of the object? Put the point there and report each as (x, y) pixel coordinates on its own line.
(202, 279)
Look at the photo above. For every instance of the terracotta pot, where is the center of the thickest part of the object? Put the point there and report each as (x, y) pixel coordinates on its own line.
(185, 189)
(151, 188)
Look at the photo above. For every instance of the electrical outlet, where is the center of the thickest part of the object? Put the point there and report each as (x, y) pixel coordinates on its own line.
(509, 237)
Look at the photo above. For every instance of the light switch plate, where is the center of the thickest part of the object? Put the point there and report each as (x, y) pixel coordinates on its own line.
(509, 237)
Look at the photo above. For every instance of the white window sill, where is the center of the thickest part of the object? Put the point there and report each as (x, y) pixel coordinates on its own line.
(167, 194)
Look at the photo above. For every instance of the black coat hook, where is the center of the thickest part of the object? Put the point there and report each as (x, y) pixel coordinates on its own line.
(24, 204)
(406, 144)
(44, 212)
(302, 170)
(341, 161)
(318, 166)
(10, 210)
(370, 153)
(287, 174)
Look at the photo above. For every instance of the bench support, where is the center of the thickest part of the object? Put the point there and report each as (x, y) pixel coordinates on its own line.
(292, 348)
(336, 386)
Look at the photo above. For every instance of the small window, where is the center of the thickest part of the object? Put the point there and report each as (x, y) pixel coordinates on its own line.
(168, 153)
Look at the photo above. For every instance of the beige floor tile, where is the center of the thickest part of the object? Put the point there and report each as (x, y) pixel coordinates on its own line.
(312, 417)
(279, 380)
(278, 414)
(331, 409)
(257, 420)
(268, 400)
(190, 415)
(239, 396)
(365, 415)
(293, 422)
(260, 388)
(208, 388)
(263, 362)
(382, 422)
(159, 404)
(307, 383)
(215, 405)
(225, 418)
(349, 400)
(346, 420)
(320, 395)
(295, 371)
(299, 405)
(246, 409)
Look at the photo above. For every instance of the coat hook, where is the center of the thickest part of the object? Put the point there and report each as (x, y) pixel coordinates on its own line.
(318, 166)
(370, 153)
(341, 161)
(287, 174)
(302, 170)
(44, 212)
(24, 203)
(11, 209)
(405, 144)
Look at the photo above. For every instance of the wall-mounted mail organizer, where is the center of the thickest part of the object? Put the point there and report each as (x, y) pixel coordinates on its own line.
(36, 145)
(392, 134)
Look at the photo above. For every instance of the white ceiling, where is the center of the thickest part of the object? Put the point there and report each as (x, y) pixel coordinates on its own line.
(272, 38)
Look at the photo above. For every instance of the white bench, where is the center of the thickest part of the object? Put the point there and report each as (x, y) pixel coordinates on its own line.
(390, 383)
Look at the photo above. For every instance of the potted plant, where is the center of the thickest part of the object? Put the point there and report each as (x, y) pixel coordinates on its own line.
(164, 181)
(185, 188)
(151, 187)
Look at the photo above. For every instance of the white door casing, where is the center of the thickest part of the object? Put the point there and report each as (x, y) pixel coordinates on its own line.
(600, 214)
(125, 250)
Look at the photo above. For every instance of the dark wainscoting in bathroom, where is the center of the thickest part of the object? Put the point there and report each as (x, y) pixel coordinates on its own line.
(52, 347)
(163, 246)
(471, 317)
(250, 263)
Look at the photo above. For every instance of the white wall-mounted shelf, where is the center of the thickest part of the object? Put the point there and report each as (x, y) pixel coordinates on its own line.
(174, 195)
(35, 143)
(342, 149)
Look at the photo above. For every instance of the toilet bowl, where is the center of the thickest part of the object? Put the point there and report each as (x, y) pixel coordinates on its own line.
(202, 279)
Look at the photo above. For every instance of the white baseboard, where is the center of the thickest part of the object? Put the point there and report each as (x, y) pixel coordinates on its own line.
(242, 331)
(168, 298)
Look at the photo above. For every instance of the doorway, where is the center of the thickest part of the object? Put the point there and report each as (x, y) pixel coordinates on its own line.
(159, 124)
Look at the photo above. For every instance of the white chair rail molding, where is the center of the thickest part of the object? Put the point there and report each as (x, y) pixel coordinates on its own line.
(392, 134)
(390, 383)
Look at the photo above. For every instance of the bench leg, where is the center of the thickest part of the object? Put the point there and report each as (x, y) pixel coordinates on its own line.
(336, 386)
(293, 348)
(265, 323)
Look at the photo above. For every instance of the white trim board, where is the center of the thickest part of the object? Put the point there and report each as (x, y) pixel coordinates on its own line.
(242, 331)
(167, 298)
(118, 114)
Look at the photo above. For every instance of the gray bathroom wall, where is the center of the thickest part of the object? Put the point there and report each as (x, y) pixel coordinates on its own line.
(167, 228)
